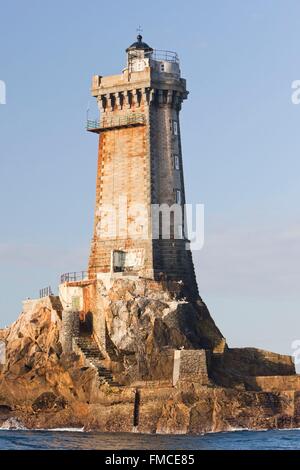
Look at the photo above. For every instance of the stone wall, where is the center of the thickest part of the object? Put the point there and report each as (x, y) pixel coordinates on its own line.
(255, 362)
(273, 383)
(190, 366)
(82, 295)
(123, 179)
(236, 365)
(70, 329)
(170, 255)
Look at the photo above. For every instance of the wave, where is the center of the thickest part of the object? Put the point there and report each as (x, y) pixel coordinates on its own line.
(62, 429)
(13, 424)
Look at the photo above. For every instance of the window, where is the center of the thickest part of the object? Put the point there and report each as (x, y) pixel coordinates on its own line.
(75, 303)
(175, 128)
(176, 162)
(162, 67)
(178, 196)
(118, 260)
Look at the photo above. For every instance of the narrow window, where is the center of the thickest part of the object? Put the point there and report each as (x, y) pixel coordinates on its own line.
(172, 227)
(175, 128)
(140, 66)
(75, 303)
(176, 162)
(160, 226)
(162, 67)
(178, 196)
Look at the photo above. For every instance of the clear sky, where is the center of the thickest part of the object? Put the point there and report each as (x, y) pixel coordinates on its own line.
(241, 144)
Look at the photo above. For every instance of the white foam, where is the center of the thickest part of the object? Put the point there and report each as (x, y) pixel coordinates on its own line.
(63, 429)
(12, 424)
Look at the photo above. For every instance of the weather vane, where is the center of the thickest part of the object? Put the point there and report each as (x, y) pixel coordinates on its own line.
(139, 30)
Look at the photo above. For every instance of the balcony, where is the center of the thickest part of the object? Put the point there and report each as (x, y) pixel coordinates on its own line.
(165, 56)
(74, 277)
(114, 122)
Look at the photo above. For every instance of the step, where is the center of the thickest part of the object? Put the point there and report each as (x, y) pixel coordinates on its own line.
(108, 375)
(89, 350)
(93, 354)
(89, 353)
(104, 372)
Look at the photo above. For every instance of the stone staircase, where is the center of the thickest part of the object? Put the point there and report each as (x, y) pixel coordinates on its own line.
(94, 356)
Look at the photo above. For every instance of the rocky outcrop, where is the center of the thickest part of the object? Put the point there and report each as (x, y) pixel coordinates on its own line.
(143, 320)
(35, 363)
(43, 387)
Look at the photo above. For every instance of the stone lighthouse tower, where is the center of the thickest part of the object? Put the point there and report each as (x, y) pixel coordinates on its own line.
(139, 227)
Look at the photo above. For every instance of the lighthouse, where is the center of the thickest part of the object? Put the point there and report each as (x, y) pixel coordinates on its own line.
(140, 224)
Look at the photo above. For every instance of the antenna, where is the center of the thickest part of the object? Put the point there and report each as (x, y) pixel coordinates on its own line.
(88, 111)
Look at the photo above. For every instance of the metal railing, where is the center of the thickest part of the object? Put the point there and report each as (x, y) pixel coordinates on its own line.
(74, 276)
(92, 124)
(131, 119)
(45, 292)
(167, 56)
(156, 54)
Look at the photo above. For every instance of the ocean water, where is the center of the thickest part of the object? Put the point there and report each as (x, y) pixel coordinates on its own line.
(44, 440)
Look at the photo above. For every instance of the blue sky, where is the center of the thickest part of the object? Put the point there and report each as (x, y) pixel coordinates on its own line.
(240, 135)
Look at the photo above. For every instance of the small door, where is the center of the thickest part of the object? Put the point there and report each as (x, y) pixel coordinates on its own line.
(86, 324)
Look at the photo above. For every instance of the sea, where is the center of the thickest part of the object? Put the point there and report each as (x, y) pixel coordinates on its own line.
(74, 439)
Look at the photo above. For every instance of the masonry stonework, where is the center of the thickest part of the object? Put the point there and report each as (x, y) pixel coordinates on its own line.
(70, 329)
(140, 167)
(190, 365)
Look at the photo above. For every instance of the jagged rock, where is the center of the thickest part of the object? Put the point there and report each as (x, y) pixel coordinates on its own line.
(34, 364)
(142, 320)
(42, 387)
(48, 401)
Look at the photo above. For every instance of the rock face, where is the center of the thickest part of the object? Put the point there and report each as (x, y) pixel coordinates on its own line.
(143, 322)
(35, 363)
(43, 387)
